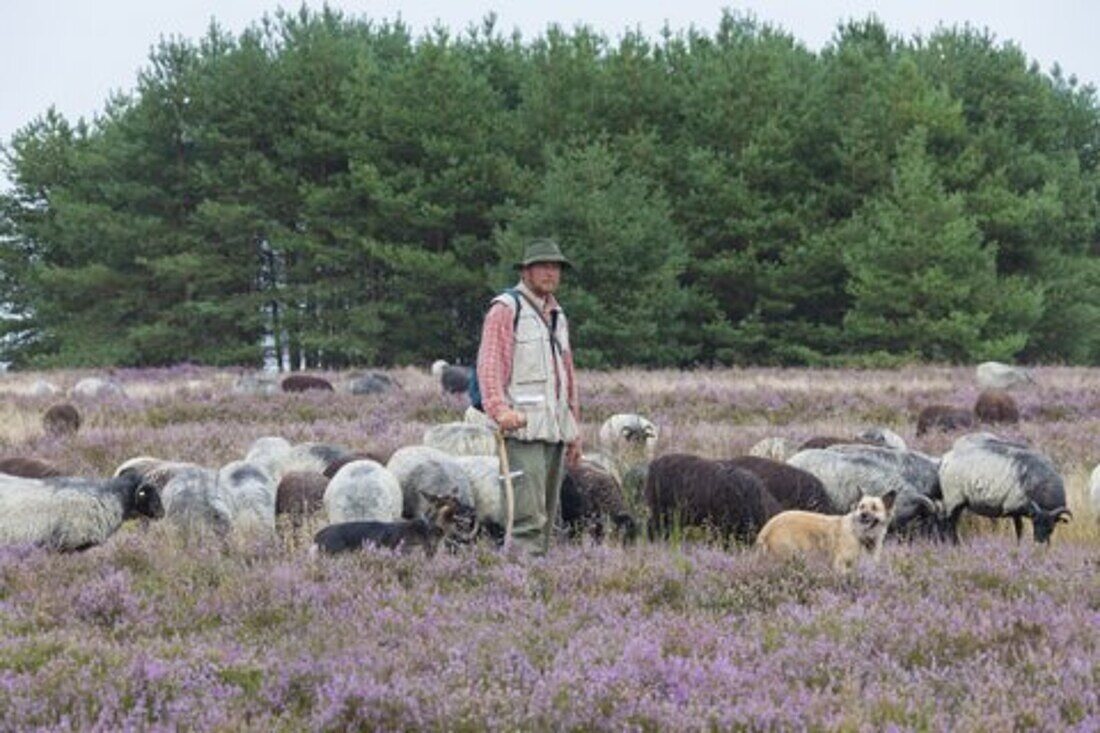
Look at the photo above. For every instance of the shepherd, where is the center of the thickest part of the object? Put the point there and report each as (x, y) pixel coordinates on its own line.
(527, 386)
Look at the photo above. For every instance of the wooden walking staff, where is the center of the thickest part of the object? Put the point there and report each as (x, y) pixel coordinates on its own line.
(509, 490)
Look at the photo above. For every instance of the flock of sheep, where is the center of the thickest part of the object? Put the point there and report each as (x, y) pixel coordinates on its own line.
(451, 489)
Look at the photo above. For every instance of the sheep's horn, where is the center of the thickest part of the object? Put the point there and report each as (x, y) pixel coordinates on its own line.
(1061, 512)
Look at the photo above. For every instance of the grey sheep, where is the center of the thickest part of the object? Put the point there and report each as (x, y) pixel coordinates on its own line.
(426, 471)
(999, 478)
(72, 514)
(461, 439)
(452, 379)
(775, 448)
(994, 375)
(251, 494)
(363, 490)
(700, 492)
(156, 471)
(196, 504)
(848, 472)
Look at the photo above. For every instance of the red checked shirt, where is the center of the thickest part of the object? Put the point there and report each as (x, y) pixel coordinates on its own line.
(494, 360)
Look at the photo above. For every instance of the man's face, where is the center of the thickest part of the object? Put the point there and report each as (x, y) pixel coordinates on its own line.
(542, 278)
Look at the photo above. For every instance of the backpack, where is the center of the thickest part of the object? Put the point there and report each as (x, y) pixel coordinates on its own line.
(474, 391)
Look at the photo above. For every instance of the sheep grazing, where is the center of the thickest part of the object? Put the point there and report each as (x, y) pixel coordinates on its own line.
(339, 463)
(72, 514)
(371, 383)
(791, 487)
(943, 417)
(155, 471)
(305, 382)
(695, 491)
(425, 532)
(628, 435)
(849, 471)
(883, 437)
(996, 406)
(42, 388)
(777, 449)
(826, 441)
(426, 471)
(28, 468)
(277, 457)
(94, 388)
(363, 490)
(999, 478)
(252, 497)
(591, 500)
(61, 420)
(299, 494)
(256, 384)
(461, 439)
(994, 375)
(452, 379)
(196, 504)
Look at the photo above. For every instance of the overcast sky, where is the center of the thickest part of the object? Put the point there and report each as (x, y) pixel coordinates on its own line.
(73, 53)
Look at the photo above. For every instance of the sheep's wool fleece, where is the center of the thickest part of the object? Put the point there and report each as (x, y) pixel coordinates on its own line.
(363, 491)
(64, 514)
(992, 476)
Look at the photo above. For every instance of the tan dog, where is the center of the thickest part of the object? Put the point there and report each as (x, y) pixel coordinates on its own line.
(838, 539)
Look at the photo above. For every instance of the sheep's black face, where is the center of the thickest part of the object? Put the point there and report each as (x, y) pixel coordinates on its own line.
(147, 502)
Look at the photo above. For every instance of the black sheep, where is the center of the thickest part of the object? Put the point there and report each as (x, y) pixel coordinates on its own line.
(791, 487)
(696, 491)
(590, 496)
(28, 468)
(943, 417)
(304, 382)
(61, 419)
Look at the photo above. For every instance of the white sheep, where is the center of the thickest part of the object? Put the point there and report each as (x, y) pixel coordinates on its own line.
(461, 439)
(776, 449)
(884, 437)
(994, 375)
(195, 503)
(628, 433)
(1000, 478)
(42, 388)
(66, 513)
(452, 379)
(276, 457)
(94, 388)
(363, 491)
(156, 471)
(427, 471)
(251, 494)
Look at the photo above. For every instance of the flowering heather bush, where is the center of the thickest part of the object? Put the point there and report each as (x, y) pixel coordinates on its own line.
(146, 632)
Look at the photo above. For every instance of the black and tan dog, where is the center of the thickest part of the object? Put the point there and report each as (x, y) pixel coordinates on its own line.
(840, 540)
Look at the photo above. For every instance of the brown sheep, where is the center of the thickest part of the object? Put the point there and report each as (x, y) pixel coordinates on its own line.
(300, 493)
(342, 461)
(996, 405)
(303, 382)
(791, 487)
(695, 491)
(943, 417)
(61, 419)
(590, 496)
(28, 468)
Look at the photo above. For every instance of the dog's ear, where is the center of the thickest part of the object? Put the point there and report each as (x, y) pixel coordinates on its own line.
(888, 499)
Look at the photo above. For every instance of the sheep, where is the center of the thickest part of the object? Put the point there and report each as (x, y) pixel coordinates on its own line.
(791, 487)
(590, 498)
(452, 379)
(426, 532)
(371, 383)
(697, 491)
(196, 503)
(94, 388)
(277, 457)
(996, 406)
(43, 388)
(884, 437)
(72, 514)
(849, 471)
(943, 417)
(256, 384)
(61, 419)
(305, 382)
(269, 453)
(628, 435)
(487, 488)
(28, 468)
(826, 441)
(999, 478)
(363, 490)
(423, 470)
(300, 493)
(377, 457)
(777, 449)
(461, 439)
(156, 471)
(252, 497)
(994, 375)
